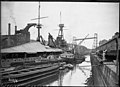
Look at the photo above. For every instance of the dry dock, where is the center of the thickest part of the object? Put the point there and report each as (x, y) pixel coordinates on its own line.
(106, 72)
(103, 74)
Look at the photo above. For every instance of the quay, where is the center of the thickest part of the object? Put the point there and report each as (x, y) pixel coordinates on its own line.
(103, 74)
(106, 72)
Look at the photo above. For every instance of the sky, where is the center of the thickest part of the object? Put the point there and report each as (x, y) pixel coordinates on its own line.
(79, 18)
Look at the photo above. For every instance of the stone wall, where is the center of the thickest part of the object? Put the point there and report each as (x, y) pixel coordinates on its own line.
(14, 40)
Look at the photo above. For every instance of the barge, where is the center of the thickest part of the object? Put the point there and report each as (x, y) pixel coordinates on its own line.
(28, 76)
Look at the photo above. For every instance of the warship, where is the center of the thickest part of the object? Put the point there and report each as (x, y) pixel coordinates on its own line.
(67, 55)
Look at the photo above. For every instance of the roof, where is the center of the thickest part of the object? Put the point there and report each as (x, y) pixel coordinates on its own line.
(49, 49)
(31, 47)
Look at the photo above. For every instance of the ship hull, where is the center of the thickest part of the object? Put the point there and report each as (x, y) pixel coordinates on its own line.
(28, 76)
(68, 60)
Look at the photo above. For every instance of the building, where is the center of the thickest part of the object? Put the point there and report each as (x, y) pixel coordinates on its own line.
(20, 37)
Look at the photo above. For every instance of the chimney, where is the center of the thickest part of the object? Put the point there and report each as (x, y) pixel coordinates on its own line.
(9, 28)
(15, 29)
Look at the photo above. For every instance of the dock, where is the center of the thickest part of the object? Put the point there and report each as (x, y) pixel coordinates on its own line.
(106, 72)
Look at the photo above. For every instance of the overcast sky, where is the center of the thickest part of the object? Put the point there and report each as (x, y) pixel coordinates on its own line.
(80, 18)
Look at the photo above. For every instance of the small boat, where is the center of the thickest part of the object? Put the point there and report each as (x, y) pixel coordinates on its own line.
(62, 65)
(70, 66)
(67, 57)
(62, 68)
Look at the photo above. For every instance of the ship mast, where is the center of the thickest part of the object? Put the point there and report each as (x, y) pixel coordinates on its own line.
(39, 26)
(39, 38)
(61, 29)
(60, 42)
(60, 17)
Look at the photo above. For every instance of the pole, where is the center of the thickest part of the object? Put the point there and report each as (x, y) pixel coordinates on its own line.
(39, 22)
(117, 61)
(60, 17)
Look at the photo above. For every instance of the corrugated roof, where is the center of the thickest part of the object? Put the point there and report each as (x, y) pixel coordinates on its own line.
(49, 49)
(31, 47)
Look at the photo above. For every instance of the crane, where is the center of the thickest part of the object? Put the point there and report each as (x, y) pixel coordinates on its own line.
(83, 40)
(94, 43)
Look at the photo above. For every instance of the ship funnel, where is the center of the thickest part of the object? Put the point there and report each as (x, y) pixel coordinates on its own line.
(15, 29)
(9, 28)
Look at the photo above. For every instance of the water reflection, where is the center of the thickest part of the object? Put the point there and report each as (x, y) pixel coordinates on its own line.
(76, 77)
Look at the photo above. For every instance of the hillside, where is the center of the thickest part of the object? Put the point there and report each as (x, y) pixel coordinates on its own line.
(82, 50)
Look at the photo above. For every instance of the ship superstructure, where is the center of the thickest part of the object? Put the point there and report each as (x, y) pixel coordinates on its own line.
(60, 41)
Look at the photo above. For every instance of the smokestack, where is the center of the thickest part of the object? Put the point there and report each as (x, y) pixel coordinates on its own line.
(15, 29)
(9, 28)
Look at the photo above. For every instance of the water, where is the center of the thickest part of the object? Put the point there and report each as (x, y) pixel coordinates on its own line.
(77, 77)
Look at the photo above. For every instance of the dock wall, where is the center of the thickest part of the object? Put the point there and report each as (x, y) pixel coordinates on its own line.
(14, 40)
(102, 74)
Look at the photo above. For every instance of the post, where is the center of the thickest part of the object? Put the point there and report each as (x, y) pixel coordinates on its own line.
(9, 28)
(117, 60)
(15, 29)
